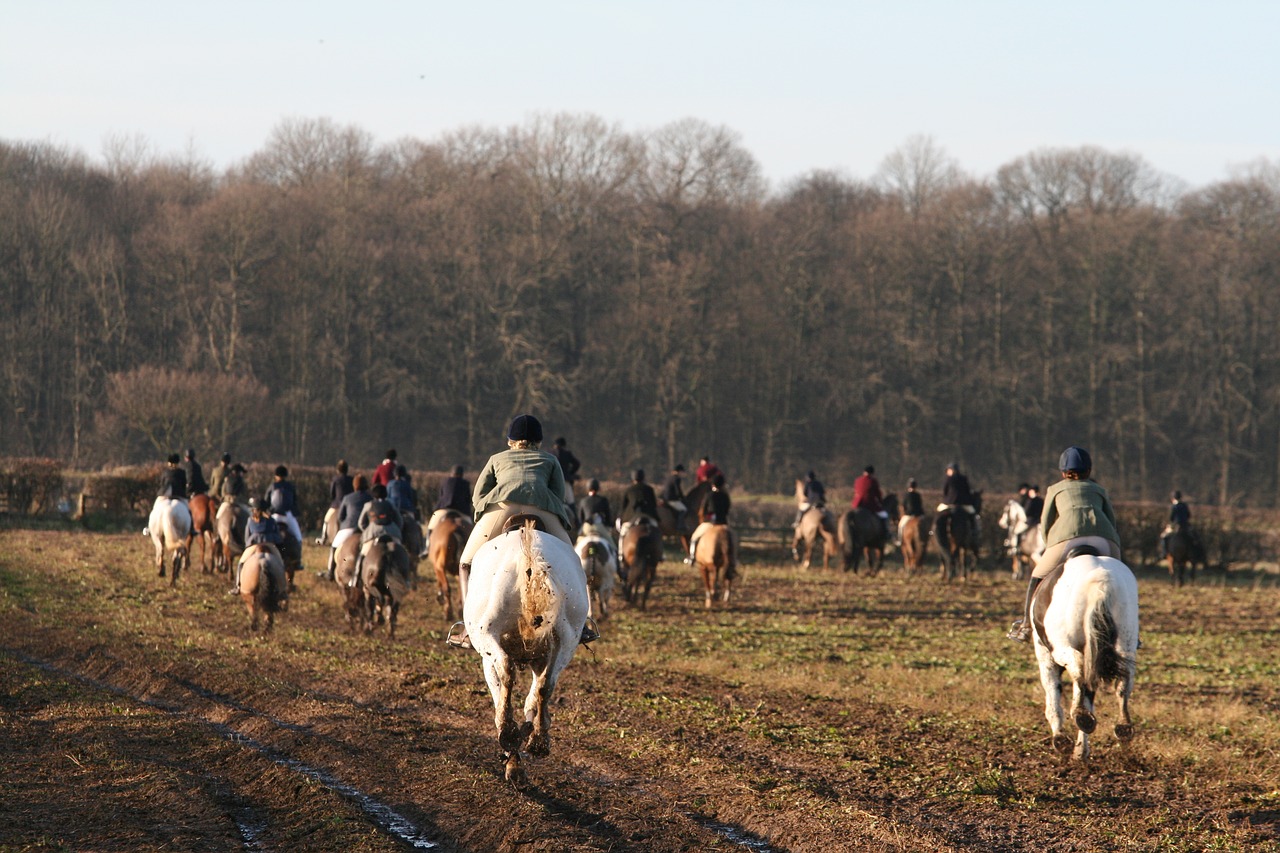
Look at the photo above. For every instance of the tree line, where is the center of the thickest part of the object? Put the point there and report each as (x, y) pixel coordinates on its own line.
(651, 299)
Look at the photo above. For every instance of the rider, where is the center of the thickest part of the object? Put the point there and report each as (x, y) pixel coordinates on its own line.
(455, 496)
(1179, 520)
(594, 508)
(912, 507)
(815, 495)
(283, 500)
(706, 470)
(173, 480)
(639, 499)
(714, 511)
(379, 517)
(867, 495)
(349, 517)
(339, 487)
(218, 476)
(569, 464)
(1077, 511)
(386, 470)
(672, 495)
(402, 494)
(957, 493)
(195, 474)
(261, 529)
(524, 479)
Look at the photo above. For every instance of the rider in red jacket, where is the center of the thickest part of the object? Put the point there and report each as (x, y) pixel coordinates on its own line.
(867, 495)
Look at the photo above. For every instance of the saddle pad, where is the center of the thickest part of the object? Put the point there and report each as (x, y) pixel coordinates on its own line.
(515, 522)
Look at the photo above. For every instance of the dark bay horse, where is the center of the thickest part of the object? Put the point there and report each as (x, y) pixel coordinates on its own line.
(682, 526)
(1185, 550)
(862, 533)
(641, 552)
(957, 532)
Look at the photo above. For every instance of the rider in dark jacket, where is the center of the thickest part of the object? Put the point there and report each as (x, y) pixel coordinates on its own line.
(196, 484)
(173, 480)
(639, 499)
(593, 505)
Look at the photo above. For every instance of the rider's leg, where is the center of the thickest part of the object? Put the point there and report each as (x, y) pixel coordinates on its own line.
(1021, 630)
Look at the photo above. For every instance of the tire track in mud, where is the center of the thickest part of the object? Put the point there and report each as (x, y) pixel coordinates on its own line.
(249, 823)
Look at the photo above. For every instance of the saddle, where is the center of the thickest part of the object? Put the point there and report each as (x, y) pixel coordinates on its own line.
(1044, 593)
(519, 520)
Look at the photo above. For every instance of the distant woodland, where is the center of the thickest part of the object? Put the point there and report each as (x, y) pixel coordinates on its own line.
(651, 299)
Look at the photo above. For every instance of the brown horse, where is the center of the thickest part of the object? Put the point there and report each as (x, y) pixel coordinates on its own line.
(387, 578)
(1184, 552)
(682, 526)
(862, 533)
(956, 532)
(204, 528)
(344, 570)
(263, 586)
(641, 552)
(716, 558)
(448, 538)
(915, 541)
(231, 521)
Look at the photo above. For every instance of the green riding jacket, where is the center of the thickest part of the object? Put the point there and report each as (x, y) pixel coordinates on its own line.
(531, 477)
(1077, 508)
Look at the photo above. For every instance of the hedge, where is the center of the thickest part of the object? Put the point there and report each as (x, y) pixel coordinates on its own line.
(29, 486)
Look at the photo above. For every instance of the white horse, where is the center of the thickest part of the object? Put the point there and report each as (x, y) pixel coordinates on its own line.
(599, 560)
(1025, 542)
(1089, 628)
(170, 529)
(526, 604)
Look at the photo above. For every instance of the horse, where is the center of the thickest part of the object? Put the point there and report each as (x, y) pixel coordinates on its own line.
(344, 571)
(641, 552)
(816, 522)
(600, 567)
(1026, 539)
(1184, 551)
(915, 541)
(203, 527)
(682, 526)
(263, 586)
(1085, 617)
(716, 558)
(526, 605)
(231, 519)
(170, 530)
(957, 533)
(386, 578)
(290, 551)
(448, 538)
(861, 532)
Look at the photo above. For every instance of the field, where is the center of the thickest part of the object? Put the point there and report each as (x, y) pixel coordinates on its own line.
(822, 711)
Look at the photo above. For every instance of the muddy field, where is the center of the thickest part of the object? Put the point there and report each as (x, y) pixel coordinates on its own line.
(823, 711)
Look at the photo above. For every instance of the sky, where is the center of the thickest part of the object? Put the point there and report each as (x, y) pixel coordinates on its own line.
(1191, 87)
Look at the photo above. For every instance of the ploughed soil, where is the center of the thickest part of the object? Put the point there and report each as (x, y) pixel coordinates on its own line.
(820, 711)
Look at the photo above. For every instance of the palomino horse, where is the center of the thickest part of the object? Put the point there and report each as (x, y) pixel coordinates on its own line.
(716, 558)
(957, 533)
(387, 578)
(203, 527)
(263, 586)
(526, 606)
(1026, 540)
(448, 538)
(1086, 623)
(232, 518)
(816, 523)
(641, 551)
(683, 527)
(170, 530)
(1184, 552)
(599, 565)
(861, 532)
(915, 541)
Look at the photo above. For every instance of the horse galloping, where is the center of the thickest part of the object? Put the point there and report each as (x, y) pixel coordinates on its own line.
(641, 552)
(526, 606)
(386, 577)
(170, 530)
(599, 566)
(447, 540)
(716, 557)
(1085, 617)
(1026, 539)
(263, 586)
(915, 541)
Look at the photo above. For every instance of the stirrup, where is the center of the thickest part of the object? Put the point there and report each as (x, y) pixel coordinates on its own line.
(590, 632)
(1020, 632)
(458, 636)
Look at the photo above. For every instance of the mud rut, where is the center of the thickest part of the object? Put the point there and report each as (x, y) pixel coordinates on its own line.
(262, 752)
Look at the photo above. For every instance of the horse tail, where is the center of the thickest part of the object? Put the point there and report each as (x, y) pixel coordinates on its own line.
(1103, 662)
(395, 578)
(274, 589)
(535, 589)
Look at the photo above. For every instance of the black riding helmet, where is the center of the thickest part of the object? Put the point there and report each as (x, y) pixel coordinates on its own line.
(525, 428)
(1075, 458)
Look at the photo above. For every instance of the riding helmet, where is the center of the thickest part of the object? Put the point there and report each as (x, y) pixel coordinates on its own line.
(951, 466)
(457, 470)
(1177, 495)
(593, 486)
(174, 459)
(525, 428)
(191, 453)
(638, 475)
(1075, 458)
(226, 457)
(282, 471)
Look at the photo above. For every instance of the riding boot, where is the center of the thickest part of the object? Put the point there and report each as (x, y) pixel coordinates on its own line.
(1021, 630)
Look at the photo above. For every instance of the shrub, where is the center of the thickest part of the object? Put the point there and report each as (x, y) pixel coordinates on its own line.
(29, 485)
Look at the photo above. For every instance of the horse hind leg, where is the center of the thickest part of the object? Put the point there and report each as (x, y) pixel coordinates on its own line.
(537, 711)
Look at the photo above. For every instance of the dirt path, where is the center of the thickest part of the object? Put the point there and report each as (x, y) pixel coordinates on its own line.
(140, 717)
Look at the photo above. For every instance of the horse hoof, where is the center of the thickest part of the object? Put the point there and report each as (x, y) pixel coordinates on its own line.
(1086, 722)
(1124, 732)
(1063, 744)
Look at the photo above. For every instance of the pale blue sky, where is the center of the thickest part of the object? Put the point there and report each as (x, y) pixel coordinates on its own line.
(1190, 86)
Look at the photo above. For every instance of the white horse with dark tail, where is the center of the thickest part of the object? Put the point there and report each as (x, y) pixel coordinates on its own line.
(525, 606)
(1086, 625)
(170, 530)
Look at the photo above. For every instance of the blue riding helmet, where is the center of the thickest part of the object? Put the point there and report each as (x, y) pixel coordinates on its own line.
(525, 428)
(1075, 459)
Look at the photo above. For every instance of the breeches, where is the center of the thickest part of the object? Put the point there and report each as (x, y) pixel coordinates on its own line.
(491, 523)
(1054, 554)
